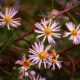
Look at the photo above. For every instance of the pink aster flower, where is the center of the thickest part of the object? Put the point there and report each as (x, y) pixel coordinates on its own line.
(54, 60)
(8, 18)
(48, 29)
(25, 65)
(74, 32)
(39, 54)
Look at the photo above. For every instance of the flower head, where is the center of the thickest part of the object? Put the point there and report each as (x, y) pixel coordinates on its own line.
(8, 18)
(74, 32)
(48, 29)
(52, 14)
(25, 65)
(54, 60)
(55, 12)
(39, 54)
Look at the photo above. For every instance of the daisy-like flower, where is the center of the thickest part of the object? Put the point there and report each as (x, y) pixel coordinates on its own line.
(71, 3)
(39, 54)
(48, 29)
(74, 32)
(25, 65)
(8, 18)
(54, 60)
(38, 77)
(53, 13)
(49, 15)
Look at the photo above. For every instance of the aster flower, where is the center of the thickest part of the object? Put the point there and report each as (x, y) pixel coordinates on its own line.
(49, 15)
(48, 29)
(38, 78)
(54, 60)
(71, 3)
(8, 18)
(74, 32)
(52, 14)
(39, 54)
(25, 65)
(55, 12)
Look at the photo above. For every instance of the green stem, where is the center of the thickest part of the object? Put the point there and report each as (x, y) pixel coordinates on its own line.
(7, 43)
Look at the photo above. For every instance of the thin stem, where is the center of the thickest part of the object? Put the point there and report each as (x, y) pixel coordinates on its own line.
(69, 48)
(67, 10)
(23, 36)
(7, 43)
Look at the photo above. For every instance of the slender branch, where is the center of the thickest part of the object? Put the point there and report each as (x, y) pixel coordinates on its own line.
(69, 48)
(67, 10)
(23, 36)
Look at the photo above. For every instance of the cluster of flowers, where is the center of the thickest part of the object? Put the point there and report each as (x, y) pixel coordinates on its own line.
(48, 29)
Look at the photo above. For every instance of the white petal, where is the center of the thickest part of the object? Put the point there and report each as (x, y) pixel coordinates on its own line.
(13, 25)
(50, 22)
(56, 29)
(18, 62)
(26, 74)
(78, 27)
(71, 37)
(14, 13)
(66, 34)
(8, 26)
(40, 36)
(47, 48)
(6, 12)
(54, 25)
(56, 35)
(70, 26)
(37, 31)
(39, 26)
(40, 64)
(50, 40)
(44, 23)
(45, 64)
(53, 66)
(44, 39)
(32, 51)
(59, 65)
(2, 15)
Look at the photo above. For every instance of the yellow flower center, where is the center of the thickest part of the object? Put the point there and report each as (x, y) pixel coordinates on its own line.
(26, 63)
(54, 13)
(47, 31)
(74, 32)
(8, 19)
(42, 55)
